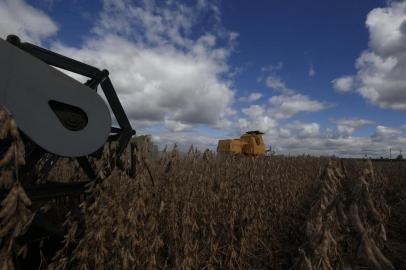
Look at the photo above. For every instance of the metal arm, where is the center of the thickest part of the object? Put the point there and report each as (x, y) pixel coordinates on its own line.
(97, 77)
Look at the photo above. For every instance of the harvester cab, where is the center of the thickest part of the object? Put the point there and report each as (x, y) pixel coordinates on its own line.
(251, 144)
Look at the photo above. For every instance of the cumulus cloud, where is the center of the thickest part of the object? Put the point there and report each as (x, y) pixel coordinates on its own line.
(256, 118)
(275, 83)
(347, 126)
(343, 84)
(345, 131)
(383, 133)
(289, 102)
(253, 111)
(285, 106)
(251, 97)
(352, 122)
(381, 68)
(307, 138)
(176, 126)
(29, 23)
(162, 75)
(157, 23)
(305, 130)
(268, 117)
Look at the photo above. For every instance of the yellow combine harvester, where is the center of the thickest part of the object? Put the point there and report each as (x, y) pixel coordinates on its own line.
(251, 144)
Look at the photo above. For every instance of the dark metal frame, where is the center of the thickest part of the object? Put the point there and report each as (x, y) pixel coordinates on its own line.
(35, 154)
(122, 134)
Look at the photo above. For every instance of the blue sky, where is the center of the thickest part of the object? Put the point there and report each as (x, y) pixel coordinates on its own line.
(319, 77)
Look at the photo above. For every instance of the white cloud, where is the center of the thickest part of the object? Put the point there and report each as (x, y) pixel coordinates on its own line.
(253, 111)
(310, 130)
(347, 126)
(160, 73)
(352, 122)
(387, 29)
(290, 102)
(383, 133)
(285, 106)
(275, 83)
(381, 68)
(262, 123)
(305, 130)
(343, 84)
(176, 126)
(251, 97)
(256, 118)
(345, 131)
(267, 117)
(306, 138)
(29, 23)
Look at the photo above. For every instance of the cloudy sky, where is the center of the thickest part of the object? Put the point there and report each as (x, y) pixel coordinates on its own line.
(318, 77)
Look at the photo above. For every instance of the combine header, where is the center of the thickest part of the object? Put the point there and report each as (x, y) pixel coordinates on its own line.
(45, 115)
(56, 115)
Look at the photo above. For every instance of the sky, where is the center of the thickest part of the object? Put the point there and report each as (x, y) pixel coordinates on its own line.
(319, 77)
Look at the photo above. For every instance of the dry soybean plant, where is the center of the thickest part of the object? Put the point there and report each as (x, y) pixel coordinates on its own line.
(15, 213)
(345, 230)
(193, 211)
(198, 210)
(202, 211)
